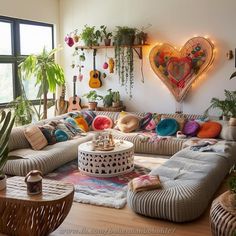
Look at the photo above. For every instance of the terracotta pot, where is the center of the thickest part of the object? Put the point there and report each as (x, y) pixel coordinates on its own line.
(232, 121)
(107, 42)
(115, 104)
(92, 105)
(3, 182)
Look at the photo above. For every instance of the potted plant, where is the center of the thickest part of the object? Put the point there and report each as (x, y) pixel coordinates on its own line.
(106, 35)
(116, 99)
(6, 124)
(124, 58)
(93, 98)
(231, 99)
(90, 36)
(107, 100)
(221, 104)
(47, 72)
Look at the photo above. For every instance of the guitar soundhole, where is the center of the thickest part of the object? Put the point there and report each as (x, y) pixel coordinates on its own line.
(95, 76)
(74, 102)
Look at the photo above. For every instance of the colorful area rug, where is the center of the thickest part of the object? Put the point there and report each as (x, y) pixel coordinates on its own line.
(110, 192)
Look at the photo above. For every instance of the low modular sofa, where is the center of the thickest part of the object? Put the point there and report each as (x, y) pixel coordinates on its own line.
(189, 178)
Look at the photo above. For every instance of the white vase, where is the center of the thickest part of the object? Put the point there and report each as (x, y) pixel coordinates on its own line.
(3, 183)
(232, 121)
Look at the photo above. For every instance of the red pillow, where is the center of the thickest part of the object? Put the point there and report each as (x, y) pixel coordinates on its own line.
(102, 122)
(209, 129)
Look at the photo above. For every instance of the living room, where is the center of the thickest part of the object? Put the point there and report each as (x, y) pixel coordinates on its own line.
(180, 24)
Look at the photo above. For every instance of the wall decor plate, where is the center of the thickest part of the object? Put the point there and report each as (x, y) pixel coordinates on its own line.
(179, 69)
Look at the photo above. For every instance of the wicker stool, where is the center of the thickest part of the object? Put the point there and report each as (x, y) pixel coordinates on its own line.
(222, 222)
(22, 214)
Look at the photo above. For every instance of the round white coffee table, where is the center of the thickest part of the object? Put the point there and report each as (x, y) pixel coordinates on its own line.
(118, 161)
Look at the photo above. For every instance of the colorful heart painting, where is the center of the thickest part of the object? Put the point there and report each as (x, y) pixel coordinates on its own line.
(179, 69)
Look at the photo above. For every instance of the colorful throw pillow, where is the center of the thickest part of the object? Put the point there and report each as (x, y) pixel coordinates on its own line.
(210, 129)
(145, 183)
(102, 122)
(62, 126)
(145, 120)
(88, 116)
(48, 134)
(35, 137)
(191, 128)
(178, 117)
(81, 122)
(128, 123)
(167, 127)
(154, 121)
(61, 135)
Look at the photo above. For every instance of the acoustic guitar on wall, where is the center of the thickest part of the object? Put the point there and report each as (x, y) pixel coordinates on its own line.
(94, 81)
(61, 105)
(74, 102)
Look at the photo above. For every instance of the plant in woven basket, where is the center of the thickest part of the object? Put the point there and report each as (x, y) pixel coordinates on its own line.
(6, 124)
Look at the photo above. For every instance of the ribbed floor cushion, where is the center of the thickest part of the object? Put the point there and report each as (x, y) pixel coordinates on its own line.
(21, 161)
(189, 179)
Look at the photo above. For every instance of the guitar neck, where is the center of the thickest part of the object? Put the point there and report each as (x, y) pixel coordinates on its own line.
(94, 59)
(74, 86)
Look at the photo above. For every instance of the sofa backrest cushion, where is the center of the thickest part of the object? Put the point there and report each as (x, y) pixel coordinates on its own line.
(17, 139)
(35, 137)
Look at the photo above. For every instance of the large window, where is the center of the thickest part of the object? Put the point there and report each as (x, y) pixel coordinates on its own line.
(20, 38)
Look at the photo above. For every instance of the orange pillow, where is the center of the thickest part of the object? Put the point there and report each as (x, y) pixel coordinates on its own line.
(209, 129)
(82, 123)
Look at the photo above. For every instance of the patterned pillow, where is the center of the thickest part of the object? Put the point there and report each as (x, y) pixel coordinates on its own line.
(81, 122)
(72, 126)
(35, 137)
(48, 134)
(154, 121)
(62, 126)
(145, 120)
(145, 183)
(88, 116)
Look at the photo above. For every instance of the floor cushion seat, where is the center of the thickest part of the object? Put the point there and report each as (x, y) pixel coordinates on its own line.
(189, 179)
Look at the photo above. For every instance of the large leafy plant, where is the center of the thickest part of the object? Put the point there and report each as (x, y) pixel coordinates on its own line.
(6, 124)
(47, 72)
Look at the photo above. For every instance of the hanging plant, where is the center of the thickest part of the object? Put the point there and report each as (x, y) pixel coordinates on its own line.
(124, 39)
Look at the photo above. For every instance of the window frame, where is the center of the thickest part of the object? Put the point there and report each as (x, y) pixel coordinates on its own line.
(16, 57)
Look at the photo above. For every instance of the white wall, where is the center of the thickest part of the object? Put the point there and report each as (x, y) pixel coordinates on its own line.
(46, 11)
(173, 21)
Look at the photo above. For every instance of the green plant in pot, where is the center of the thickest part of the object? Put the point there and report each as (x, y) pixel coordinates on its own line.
(116, 99)
(93, 98)
(124, 57)
(106, 35)
(221, 104)
(107, 100)
(90, 36)
(6, 125)
(47, 72)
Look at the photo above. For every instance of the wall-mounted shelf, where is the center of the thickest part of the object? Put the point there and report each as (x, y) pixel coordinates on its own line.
(137, 48)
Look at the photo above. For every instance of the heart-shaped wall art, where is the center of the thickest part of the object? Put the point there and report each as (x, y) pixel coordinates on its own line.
(179, 69)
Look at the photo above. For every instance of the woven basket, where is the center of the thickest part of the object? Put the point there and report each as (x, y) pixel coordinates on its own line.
(22, 214)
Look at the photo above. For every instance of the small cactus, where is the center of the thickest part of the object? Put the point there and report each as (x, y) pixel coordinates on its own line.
(6, 125)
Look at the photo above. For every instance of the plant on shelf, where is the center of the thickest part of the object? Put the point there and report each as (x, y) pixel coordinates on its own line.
(90, 36)
(116, 99)
(6, 125)
(141, 36)
(106, 35)
(93, 98)
(47, 72)
(107, 100)
(124, 39)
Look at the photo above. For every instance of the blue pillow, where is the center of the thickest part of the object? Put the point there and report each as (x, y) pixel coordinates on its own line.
(61, 135)
(167, 127)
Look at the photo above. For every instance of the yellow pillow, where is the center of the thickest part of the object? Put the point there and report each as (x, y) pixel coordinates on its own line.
(128, 123)
(35, 137)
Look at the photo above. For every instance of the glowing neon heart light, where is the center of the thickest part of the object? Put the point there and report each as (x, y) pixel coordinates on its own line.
(179, 69)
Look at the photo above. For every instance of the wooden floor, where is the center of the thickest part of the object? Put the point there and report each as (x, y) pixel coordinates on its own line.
(85, 219)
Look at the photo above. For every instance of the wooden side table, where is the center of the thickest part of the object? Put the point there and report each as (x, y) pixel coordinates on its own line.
(223, 223)
(23, 214)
